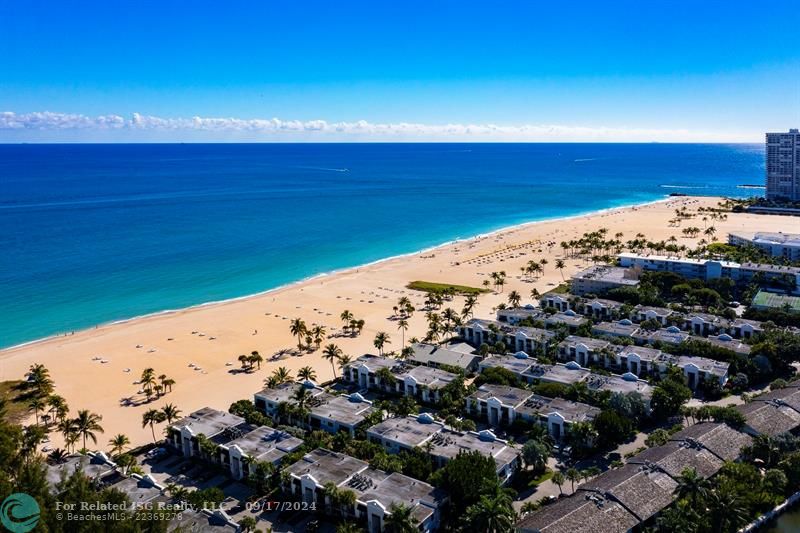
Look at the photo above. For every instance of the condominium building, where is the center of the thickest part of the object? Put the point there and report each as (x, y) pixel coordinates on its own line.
(213, 425)
(329, 412)
(707, 269)
(262, 445)
(517, 338)
(786, 245)
(602, 278)
(443, 444)
(501, 405)
(377, 493)
(783, 166)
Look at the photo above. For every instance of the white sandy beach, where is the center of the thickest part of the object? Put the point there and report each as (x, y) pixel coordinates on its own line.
(197, 361)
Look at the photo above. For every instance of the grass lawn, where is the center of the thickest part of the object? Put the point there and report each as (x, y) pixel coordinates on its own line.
(541, 479)
(17, 397)
(563, 288)
(430, 286)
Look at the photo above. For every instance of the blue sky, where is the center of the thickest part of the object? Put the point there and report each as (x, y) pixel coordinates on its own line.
(428, 70)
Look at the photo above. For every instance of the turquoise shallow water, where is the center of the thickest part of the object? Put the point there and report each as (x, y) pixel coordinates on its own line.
(95, 233)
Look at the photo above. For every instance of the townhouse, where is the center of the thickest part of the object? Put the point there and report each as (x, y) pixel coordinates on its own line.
(442, 444)
(421, 382)
(624, 499)
(642, 313)
(517, 338)
(262, 445)
(219, 427)
(376, 492)
(601, 309)
(774, 412)
(328, 412)
(584, 350)
(501, 405)
(622, 329)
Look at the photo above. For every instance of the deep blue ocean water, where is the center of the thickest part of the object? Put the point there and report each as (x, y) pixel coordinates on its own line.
(95, 233)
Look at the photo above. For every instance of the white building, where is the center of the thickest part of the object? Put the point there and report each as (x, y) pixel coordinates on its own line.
(783, 166)
(779, 244)
(263, 445)
(707, 269)
(219, 427)
(517, 338)
(602, 278)
(443, 444)
(376, 491)
(501, 405)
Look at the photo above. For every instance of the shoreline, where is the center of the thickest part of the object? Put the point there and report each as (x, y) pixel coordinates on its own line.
(98, 369)
(213, 303)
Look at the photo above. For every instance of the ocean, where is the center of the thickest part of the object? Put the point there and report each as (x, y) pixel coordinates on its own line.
(96, 233)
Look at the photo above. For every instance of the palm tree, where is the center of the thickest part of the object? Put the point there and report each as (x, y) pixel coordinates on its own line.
(558, 479)
(118, 444)
(170, 413)
(298, 329)
(401, 519)
(331, 353)
(39, 377)
(493, 513)
(469, 306)
(255, 358)
(36, 405)
(247, 524)
(402, 325)
(168, 383)
(560, 266)
(148, 376)
(281, 375)
(406, 353)
(514, 299)
(692, 485)
(86, 424)
(344, 360)
(573, 475)
(307, 373)
(126, 461)
(58, 406)
(57, 456)
(727, 510)
(151, 417)
(68, 430)
(244, 361)
(381, 340)
(346, 317)
(318, 332)
(302, 397)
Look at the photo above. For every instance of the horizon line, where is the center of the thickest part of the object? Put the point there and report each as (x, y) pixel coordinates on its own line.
(52, 128)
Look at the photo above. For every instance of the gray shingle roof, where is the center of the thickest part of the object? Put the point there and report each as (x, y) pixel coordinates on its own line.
(582, 513)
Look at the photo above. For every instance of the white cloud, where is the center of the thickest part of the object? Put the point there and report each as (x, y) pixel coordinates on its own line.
(275, 128)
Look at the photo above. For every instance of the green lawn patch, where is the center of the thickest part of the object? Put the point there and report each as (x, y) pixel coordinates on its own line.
(438, 288)
(563, 288)
(541, 479)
